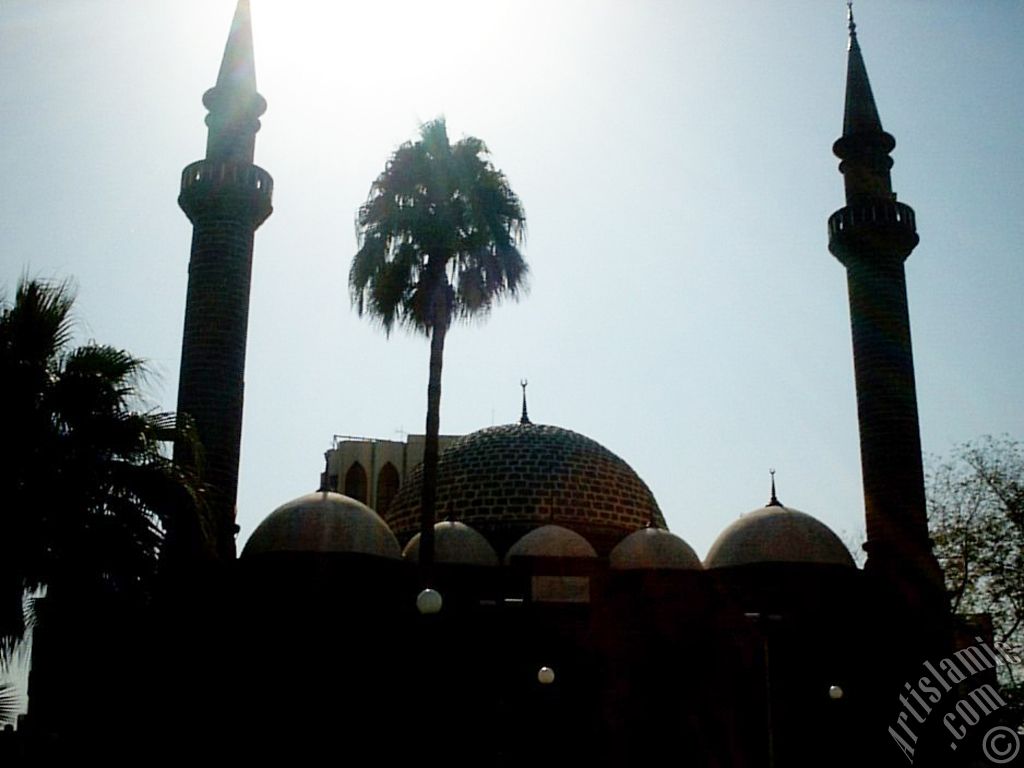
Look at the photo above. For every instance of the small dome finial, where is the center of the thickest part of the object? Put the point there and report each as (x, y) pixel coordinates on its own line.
(524, 419)
(774, 500)
(325, 483)
(851, 25)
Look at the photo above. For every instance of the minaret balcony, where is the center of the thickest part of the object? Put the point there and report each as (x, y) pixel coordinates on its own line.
(872, 228)
(207, 184)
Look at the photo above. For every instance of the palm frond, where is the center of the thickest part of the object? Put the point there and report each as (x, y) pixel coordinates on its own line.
(38, 326)
(443, 202)
(10, 702)
(12, 618)
(90, 489)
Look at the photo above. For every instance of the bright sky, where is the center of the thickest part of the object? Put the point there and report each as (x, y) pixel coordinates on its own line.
(674, 159)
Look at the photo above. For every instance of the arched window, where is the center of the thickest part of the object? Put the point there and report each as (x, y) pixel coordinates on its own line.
(387, 486)
(355, 482)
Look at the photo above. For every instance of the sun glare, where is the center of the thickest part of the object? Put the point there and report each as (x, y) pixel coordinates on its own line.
(418, 59)
(382, 50)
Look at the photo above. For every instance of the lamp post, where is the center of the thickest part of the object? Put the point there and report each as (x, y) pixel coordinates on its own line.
(762, 620)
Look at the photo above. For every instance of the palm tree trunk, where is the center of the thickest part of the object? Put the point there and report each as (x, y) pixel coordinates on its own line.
(430, 449)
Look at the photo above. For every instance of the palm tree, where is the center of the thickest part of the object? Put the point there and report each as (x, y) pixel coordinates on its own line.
(87, 487)
(439, 239)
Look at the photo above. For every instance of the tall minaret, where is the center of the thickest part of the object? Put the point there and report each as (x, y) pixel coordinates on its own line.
(226, 198)
(872, 237)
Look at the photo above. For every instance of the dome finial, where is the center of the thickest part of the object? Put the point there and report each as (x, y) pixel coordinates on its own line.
(774, 500)
(325, 483)
(524, 419)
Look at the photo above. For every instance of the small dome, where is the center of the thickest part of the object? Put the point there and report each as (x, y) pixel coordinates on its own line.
(551, 541)
(653, 548)
(777, 534)
(323, 522)
(455, 543)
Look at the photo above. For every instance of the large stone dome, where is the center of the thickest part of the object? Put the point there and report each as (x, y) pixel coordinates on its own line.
(505, 481)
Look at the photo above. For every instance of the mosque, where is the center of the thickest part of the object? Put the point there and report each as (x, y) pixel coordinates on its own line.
(563, 623)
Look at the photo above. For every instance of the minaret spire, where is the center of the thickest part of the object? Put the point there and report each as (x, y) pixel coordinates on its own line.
(234, 104)
(864, 146)
(238, 65)
(860, 114)
(226, 198)
(872, 236)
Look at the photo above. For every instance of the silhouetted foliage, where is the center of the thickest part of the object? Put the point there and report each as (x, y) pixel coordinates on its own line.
(976, 517)
(87, 486)
(439, 239)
